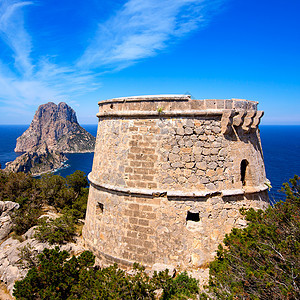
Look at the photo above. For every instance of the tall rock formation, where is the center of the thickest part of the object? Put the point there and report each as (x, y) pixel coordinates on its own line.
(57, 126)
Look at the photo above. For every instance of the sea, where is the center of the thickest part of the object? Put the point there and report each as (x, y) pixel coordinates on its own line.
(280, 144)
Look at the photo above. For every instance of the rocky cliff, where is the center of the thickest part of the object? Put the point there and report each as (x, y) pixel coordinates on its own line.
(57, 126)
(37, 161)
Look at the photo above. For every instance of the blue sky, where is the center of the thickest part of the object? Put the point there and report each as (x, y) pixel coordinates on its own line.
(81, 52)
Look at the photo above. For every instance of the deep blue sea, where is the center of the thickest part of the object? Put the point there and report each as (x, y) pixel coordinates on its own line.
(281, 148)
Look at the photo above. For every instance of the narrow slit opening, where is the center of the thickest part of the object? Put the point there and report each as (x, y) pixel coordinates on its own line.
(99, 209)
(244, 164)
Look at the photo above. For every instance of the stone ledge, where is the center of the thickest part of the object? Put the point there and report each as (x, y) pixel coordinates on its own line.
(147, 98)
(251, 190)
(174, 113)
(178, 193)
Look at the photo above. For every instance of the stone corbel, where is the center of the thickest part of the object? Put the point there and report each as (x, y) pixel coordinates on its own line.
(256, 120)
(248, 121)
(238, 119)
(226, 121)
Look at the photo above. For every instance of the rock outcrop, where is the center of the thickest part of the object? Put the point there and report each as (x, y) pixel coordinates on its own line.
(10, 250)
(6, 208)
(37, 161)
(11, 267)
(57, 126)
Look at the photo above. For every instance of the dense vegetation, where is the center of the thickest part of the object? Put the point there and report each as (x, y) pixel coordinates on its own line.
(67, 196)
(262, 261)
(56, 276)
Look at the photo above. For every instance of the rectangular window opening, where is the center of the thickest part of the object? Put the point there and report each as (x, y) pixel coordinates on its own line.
(192, 216)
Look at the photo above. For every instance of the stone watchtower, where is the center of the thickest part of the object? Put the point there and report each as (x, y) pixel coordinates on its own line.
(169, 177)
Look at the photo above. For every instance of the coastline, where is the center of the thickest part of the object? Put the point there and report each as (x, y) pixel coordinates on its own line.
(62, 167)
(74, 152)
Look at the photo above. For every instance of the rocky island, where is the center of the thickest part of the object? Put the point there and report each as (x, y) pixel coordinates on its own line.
(57, 126)
(53, 131)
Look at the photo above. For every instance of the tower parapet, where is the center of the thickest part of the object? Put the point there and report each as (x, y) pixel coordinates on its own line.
(169, 177)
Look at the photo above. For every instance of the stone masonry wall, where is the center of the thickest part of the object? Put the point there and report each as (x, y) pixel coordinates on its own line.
(156, 230)
(169, 177)
(188, 154)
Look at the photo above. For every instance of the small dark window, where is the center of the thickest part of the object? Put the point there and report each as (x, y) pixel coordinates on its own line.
(244, 164)
(191, 216)
(99, 209)
(111, 106)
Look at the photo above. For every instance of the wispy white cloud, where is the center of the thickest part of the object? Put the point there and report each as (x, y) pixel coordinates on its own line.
(141, 29)
(27, 83)
(50, 82)
(66, 79)
(14, 34)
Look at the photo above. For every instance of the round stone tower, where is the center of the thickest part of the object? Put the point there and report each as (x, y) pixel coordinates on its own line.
(169, 177)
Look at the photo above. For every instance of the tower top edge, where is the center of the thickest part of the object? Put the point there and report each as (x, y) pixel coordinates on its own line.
(172, 97)
(163, 97)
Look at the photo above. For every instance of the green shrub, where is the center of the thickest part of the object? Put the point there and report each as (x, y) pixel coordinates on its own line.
(16, 185)
(67, 195)
(77, 181)
(262, 261)
(78, 207)
(52, 189)
(112, 283)
(56, 231)
(21, 188)
(182, 287)
(28, 257)
(56, 276)
(26, 216)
